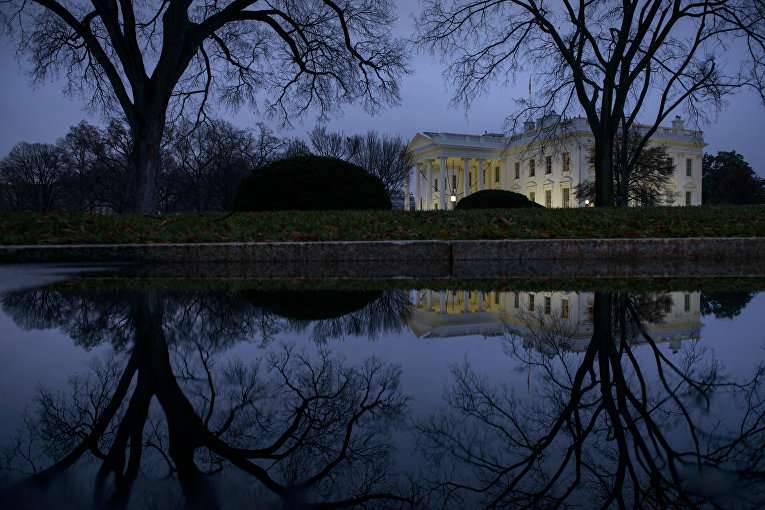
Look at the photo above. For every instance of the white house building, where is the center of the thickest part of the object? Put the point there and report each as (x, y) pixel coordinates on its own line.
(541, 317)
(545, 167)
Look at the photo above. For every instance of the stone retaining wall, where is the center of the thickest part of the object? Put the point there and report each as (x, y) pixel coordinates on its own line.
(405, 252)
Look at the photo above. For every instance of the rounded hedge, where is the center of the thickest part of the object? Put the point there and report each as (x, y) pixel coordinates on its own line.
(311, 305)
(495, 199)
(308, 183)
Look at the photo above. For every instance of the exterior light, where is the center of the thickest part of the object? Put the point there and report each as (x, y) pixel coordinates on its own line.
(587, 202)
(453, 198)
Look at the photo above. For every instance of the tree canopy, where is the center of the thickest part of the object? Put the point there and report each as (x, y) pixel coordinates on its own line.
(728, 179)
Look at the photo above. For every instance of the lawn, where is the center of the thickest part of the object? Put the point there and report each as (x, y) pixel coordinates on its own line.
(28, 228)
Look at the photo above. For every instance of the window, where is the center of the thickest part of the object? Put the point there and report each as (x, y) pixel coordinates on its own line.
(517, 169)
(454, 182)
(670, 197)
(564, 308)
(517, 303)
(532, 168)
(548, 198)
(689, 167)
(496, 298)
(668, 305)
(687, 306)
(566, 198)
(531, 302)
(532, 196)
(548, 305)
(435, 185)
(566, 161)
(548, 165)
(496, 174)
(688, 197)
(470, 180)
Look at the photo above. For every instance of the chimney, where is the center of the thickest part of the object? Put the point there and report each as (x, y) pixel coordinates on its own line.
(678, 124)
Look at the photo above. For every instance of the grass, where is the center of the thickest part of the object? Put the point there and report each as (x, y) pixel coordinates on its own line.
(741, 221)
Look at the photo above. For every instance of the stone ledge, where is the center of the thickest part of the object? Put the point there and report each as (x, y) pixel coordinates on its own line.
(405, 253)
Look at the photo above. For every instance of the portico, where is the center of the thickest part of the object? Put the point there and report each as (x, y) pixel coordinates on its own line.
(450, 167)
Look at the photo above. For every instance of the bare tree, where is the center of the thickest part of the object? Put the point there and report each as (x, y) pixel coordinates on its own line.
(616, 63)
(156, 61)
(640, 179)
(381, 155)
(33, 176)
(208, 162)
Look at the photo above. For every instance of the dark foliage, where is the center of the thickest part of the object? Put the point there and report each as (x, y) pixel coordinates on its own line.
(728, 179)
(311, 183)
(311, 305)
(725, 305)
(495, 199)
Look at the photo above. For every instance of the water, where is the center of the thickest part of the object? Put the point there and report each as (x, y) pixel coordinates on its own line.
(175, 392)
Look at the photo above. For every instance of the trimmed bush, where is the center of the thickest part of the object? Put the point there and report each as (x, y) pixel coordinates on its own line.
(311, 183)
(495, 199)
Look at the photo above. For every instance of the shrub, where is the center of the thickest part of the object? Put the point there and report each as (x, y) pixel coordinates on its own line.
(308, 182)
(495, 199)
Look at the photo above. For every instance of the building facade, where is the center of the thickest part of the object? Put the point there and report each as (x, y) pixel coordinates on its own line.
(544, 318)
(546, 163)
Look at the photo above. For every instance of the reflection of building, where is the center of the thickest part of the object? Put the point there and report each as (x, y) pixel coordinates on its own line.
(563, 317)
(545, 162)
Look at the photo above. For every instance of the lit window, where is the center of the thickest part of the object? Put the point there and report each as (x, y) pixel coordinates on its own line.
(548, 305)
(566, 161)
(548, 165)
(566, 198)
(689, 167)
(517, 169)
(532, 168)
(564, 308)
(531, 302)
(548, 198)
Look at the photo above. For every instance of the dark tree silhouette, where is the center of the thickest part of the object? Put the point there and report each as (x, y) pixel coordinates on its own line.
(386, 157)
(32, 177)
(725, 305)
(621, 424)
(155, 61)
(310, 429)
(638, 179)
(728, 179)
(609, 61)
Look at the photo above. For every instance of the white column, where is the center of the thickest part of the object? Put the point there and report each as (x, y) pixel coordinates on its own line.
(442, 184)
(417, 179)
(428, 187)
(480, 174)
(480, 301)
(466, 179)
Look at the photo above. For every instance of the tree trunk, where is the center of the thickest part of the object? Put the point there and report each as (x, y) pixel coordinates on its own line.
(145, 166)
(604, 173)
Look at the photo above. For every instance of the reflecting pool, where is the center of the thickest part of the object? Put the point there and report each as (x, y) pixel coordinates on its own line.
(124, 392)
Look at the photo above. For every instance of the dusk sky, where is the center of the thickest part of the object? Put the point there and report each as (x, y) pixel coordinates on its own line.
(43, 113)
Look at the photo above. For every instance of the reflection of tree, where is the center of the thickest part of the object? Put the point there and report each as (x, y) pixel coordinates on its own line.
(306, 426)
(725, 305)
(331, 314)
(616, 425)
